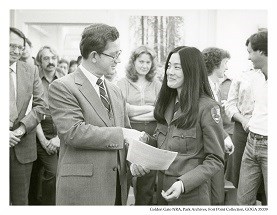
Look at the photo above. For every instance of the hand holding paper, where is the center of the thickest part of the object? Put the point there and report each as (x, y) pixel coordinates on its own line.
(131, 134)
(138, 170)
(149, 157)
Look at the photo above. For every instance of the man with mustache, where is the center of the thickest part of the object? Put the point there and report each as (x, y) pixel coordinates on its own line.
(48, 142)
(26, 111)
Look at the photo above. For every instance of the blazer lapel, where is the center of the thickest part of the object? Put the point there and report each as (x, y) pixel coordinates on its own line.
(23, 83)
(92, 97)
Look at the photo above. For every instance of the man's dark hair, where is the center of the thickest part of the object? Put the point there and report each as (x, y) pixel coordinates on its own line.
(39, 54)
(72, 62)
(95, 38)
(258, 41)
(18, 33)
(29, 42)
(79, 60)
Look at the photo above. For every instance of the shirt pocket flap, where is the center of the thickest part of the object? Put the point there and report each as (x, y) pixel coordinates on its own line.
(184, 133)
(76, 170)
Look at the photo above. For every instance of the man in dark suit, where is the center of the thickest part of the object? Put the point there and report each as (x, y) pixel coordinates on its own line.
(90, 116)
(26, 111)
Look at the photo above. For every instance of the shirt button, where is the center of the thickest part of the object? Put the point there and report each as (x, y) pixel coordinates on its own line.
(114, 169)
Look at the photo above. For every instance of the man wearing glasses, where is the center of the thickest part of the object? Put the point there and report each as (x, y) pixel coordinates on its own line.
(26, 111)
(92, 124)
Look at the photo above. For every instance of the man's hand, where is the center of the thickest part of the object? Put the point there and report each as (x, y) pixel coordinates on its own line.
(144, 138)
(54, 144)
(138, 170)
(129, 134)
(228, 145)
(173, 192)
(245, 124)
(45, 145)
(16, 135)
(14, 140)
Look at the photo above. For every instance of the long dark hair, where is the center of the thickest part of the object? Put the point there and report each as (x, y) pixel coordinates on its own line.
(195, 85)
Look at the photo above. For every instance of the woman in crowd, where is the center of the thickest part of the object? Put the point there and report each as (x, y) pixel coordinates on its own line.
(239, 107)
(140, 89)
(189, 123)
(216, 60)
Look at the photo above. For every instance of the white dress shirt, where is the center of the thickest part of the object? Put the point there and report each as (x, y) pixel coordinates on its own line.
(258, 121)
(92, 79)
(215, 89)
(13, 73)
(241, 96)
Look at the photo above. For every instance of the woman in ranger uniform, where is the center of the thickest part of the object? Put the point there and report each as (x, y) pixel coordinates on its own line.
(189, 123)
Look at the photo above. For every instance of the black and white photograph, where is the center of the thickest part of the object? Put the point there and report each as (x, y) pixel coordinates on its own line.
(159, 109)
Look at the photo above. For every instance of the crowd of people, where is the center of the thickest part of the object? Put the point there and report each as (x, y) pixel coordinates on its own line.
(71, 124)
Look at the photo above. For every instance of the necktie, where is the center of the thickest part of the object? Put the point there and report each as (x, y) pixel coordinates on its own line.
(13, 108)
(103, 96)
(219, 95)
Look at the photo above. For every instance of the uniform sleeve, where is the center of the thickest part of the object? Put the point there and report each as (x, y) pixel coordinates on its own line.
(213, 142)
(69, 120)
(33, 118)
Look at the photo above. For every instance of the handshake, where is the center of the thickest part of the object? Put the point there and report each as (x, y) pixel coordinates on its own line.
(129, 134)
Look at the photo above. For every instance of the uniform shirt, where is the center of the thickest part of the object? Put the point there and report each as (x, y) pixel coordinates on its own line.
(200, 148)
(240, 97)
(258, 121)
(47, 124)
(138, 96)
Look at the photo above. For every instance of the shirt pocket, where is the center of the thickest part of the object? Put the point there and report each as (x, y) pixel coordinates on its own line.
(184, 141)
(160, 134)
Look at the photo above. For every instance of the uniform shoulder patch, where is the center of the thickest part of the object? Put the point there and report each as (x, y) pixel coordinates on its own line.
(215, 112)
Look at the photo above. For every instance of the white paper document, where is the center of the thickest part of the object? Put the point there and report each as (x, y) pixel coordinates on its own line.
(149, 157)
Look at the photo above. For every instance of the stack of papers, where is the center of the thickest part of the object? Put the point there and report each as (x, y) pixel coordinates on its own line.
(149, 157)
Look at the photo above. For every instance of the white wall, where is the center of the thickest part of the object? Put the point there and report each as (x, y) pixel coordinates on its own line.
(232, 30)
(227, 29)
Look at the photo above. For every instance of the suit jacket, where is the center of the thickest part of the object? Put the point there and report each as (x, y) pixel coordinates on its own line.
(28, 85)
(90, 141)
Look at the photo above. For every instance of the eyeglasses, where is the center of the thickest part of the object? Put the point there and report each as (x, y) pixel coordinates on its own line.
(14, 46)
(113, 57)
